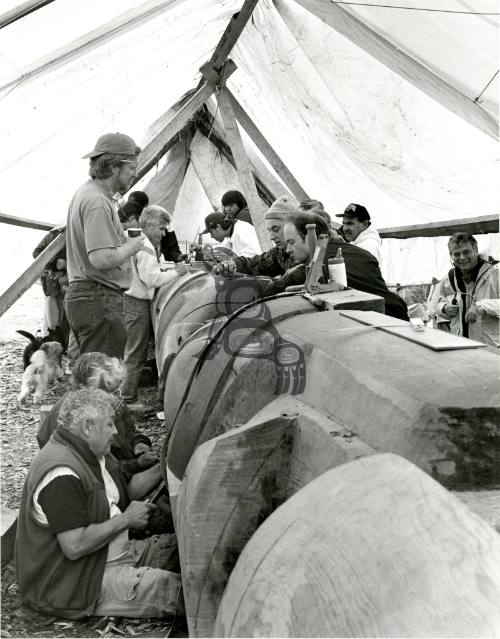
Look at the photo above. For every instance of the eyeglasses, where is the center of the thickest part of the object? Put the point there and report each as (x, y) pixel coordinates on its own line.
(133, 162)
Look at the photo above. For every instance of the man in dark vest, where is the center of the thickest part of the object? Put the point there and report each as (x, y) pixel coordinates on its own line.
(73, 554)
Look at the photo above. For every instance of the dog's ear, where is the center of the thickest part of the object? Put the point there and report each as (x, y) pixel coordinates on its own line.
(45, 347)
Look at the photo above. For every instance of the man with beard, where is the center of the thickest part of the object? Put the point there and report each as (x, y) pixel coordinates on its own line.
(98, 251)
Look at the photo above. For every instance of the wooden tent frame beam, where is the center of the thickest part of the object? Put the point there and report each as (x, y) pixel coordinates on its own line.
(267, 150)
(473, 225)
(21, 11)
(25, 222)
(91, 40)
(31, 274)
(159, 145)
(228, 39)
(265, 182)
(401, 63)
(243, 168)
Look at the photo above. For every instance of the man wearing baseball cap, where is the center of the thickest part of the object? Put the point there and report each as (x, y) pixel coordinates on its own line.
(358, 230)
(98, 251)
(240, 236)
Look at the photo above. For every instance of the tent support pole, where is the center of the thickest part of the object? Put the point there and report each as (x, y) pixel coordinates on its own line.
(268, 186)
(31, 274)
(267, 150)
(21, 10)
(473, 225)
(159, 144)
(228, 40)
(245, 176)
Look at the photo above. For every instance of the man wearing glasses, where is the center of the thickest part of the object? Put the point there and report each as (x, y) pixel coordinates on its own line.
(468, 297)
(98, 251)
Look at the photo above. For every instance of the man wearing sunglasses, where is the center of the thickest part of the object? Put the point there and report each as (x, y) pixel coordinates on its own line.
(468, 297)
(98, 251)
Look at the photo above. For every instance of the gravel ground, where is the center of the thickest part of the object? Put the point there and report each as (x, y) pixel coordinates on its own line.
(18, 426)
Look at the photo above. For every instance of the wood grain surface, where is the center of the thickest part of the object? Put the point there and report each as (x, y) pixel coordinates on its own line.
(373, 548)
(235, 481)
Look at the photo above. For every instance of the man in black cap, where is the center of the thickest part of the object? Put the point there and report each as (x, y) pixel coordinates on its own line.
(98, 251)
(241, 236)
(358, 230)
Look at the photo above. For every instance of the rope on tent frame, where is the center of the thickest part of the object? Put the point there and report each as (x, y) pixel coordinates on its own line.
(217, 90)
(476, 100)
(395, 6)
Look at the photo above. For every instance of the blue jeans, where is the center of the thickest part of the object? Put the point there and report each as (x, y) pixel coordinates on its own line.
(137, 321)
(95, 314)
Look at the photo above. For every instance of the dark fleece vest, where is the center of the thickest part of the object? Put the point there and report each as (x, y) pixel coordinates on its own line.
(48, 581)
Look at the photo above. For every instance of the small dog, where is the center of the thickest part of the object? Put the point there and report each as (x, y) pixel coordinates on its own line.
(55, 335)
(44, 368)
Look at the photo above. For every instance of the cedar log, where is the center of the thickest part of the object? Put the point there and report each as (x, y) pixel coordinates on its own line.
(373, 548)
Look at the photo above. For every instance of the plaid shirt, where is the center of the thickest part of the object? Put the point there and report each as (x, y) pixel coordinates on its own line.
(274, 262)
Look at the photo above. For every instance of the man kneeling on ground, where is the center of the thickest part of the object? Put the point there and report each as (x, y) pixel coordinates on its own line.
(73, 554)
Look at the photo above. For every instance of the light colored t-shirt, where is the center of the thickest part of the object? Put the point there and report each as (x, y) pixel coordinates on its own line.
(93, 223)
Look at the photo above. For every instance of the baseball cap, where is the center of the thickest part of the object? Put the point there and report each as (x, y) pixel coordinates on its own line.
(118, 143)
(213, 219)
(355, 210)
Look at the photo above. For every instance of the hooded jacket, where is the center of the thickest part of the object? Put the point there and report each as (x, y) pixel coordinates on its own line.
(369, 239)
(484, 292)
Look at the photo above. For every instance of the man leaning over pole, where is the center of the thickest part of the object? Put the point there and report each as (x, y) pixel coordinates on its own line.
(73, 554)
(98, 251)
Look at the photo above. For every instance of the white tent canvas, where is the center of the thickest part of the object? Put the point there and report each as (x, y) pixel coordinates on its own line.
(393, 107)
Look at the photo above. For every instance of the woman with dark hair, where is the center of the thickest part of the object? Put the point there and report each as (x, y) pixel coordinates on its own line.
(235, 207)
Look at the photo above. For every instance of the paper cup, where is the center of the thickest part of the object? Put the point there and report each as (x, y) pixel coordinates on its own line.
(134, 232)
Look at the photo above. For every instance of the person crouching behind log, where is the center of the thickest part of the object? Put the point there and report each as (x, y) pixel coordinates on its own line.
(132, 449)
(362, 269)
(73, 554)
(146, 277)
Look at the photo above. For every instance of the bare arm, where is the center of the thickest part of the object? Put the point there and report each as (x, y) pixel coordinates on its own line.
(106, 258)
(142, 483)
(78, 542)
